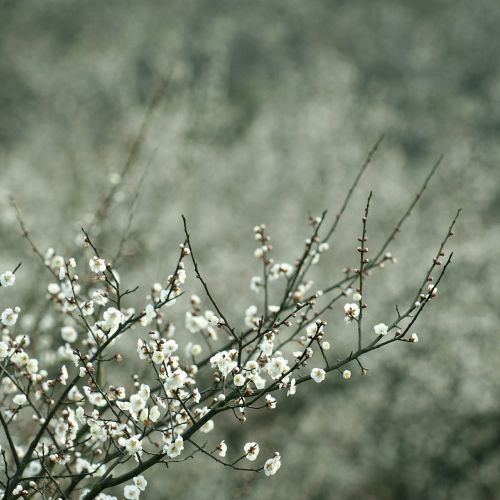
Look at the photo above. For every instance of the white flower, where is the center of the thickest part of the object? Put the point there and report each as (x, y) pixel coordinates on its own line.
(88, 308)
(251, 451)
(18, 489)
(325, 345)
(239, 380)
(20, 358)
(4, 350)
(259, 252)
(255, 283)
(292, 389)
(270, 402)
(211, 318)
(356, 297)
(272, 465)
(176, 380)
(174, 448)
(282, 269)
(170, 346)
(251, 319)
(97, 265)
(207, 427)
(112, 318)
(69, 334)
(9, 316)
(19, 399)
(150, 312)
(154, 413)
(193, 349)
(267, 346)
(318, 375)
(131, 492)
(277, 366)
(323, 247)
(179, 277)
(7, 278)
(158, 357)
(140, 482)
(133, 445)
(225, 361)
(381, 329)
(100, 297)
(414, 338)
(222, 448)
(346, 374)
(137, 403)
(53, 288)
(351, 312)
(32, 366)
(313, 329)
(63, 375)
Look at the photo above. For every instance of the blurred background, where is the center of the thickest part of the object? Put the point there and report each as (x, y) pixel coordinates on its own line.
(270, 109)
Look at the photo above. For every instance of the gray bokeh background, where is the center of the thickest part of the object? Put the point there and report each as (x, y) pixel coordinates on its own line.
(270, 110)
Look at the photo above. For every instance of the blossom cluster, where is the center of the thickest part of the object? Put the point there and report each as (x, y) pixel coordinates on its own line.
(71, 422)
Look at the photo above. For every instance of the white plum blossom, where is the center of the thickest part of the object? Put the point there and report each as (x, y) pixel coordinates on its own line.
(314, 329)
(69, 334)
(346, 374)
(153, 414)
(251, 451)
(239, 380)
(284, 269)
(256, 284)
(9, 316)
(53, 288)
(251, 318)
(272, 465)
(131, 492)
(318, 375)
(4, 350)
(132, 445)
(380, 329)
(158, 357)
(195, 323)
(88, 308)
(170, 346)
(150, 312)
(7, 278)
(112, 319)
(137, 403)
(277, 366)
(267, 346)
(97, 265)
(351, 312)
(222, 448)
(323, 247)
(270, 402)
(174, 448)
(19, 399)
(100, 297)
(225, 361)
(175, 380)
(140, 482)
(32, 366)
(414, 338)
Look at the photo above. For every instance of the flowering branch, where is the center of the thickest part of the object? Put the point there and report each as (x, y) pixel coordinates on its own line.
(74, 426)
